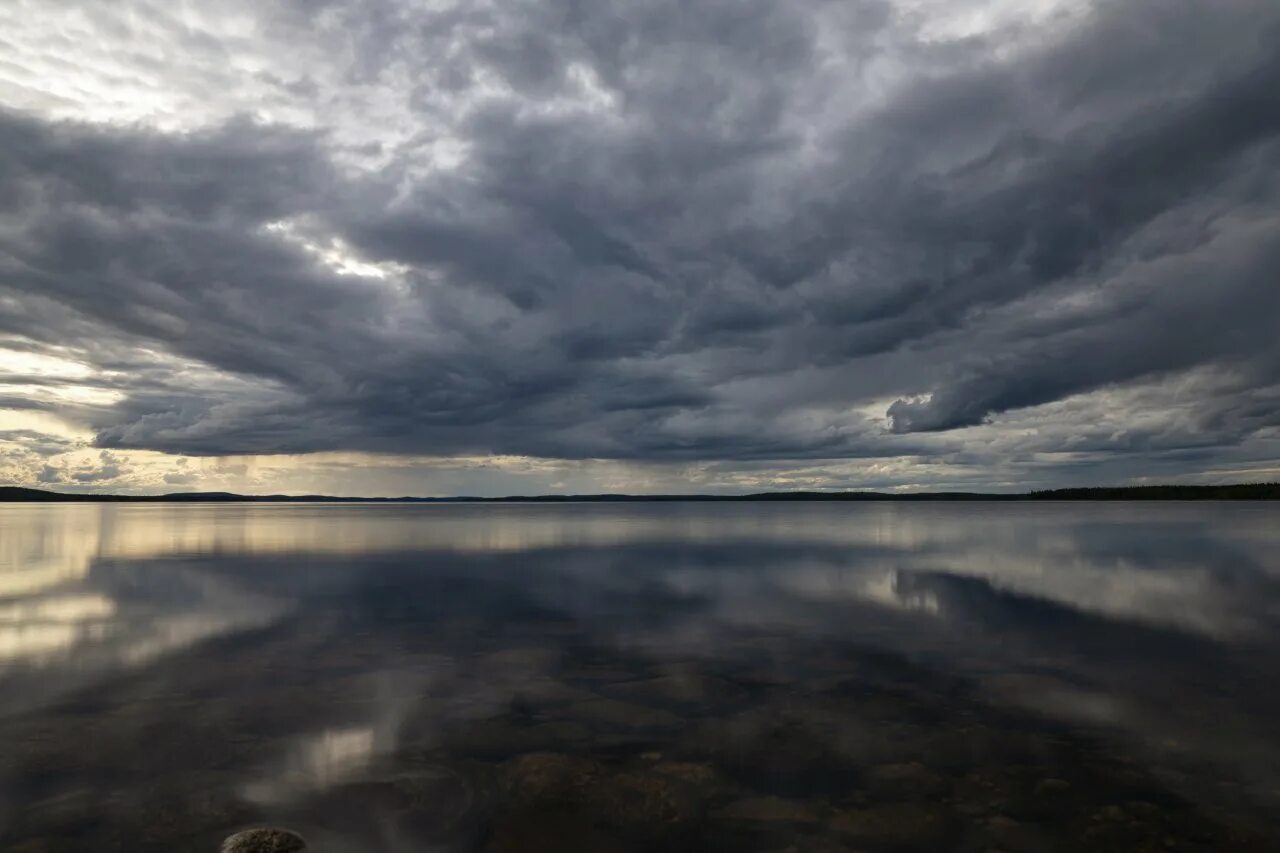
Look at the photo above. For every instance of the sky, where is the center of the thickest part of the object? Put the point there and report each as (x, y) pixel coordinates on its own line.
(407, 247)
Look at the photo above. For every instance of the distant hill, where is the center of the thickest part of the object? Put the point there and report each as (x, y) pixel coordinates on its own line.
(1238, 492)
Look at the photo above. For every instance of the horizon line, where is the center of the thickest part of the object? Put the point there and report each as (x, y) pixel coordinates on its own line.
(1164, 491)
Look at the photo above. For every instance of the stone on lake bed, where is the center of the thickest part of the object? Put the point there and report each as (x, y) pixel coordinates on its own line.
(1052, 786)
(906, 825)
(265, 840)
(548, 775)
(906, 780)
(641, 802)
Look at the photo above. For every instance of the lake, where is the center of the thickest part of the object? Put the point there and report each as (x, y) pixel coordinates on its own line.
(630, 677)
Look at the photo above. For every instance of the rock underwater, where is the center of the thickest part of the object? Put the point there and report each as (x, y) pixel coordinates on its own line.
(264, 841)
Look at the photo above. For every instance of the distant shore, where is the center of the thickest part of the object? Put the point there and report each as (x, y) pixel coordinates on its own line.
(1236, 492)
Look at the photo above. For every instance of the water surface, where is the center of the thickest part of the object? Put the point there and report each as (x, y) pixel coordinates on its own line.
(642, 676)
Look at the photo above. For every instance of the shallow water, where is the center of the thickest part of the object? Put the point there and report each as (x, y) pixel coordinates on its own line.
(642, 676)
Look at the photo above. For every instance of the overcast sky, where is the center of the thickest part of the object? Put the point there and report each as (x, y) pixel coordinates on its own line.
(521, 246)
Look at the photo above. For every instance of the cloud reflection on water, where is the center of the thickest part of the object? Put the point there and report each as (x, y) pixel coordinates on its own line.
(1093, 615)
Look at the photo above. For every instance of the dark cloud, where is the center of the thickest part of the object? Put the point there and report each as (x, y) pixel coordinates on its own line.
(658, 231)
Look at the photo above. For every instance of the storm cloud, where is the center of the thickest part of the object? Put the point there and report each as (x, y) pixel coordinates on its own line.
(728, 233)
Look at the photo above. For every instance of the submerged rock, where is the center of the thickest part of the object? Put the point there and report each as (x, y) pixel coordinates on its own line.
(907, 780)
(584, 798)
(548, 775)
(686, 771)
(899, 825)
(264, 840)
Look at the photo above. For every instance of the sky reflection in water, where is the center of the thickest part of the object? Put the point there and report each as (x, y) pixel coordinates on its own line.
(868, 676)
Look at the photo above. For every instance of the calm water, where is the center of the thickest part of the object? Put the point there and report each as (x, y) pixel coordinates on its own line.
(641, 677)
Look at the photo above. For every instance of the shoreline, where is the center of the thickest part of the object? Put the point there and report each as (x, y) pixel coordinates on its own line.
(1233, 492)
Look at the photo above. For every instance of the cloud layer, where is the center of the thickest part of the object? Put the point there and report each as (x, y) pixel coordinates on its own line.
(1032, 237)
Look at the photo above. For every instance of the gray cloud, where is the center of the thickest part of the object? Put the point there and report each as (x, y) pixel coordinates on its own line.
(35, 442)
(659, 232)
